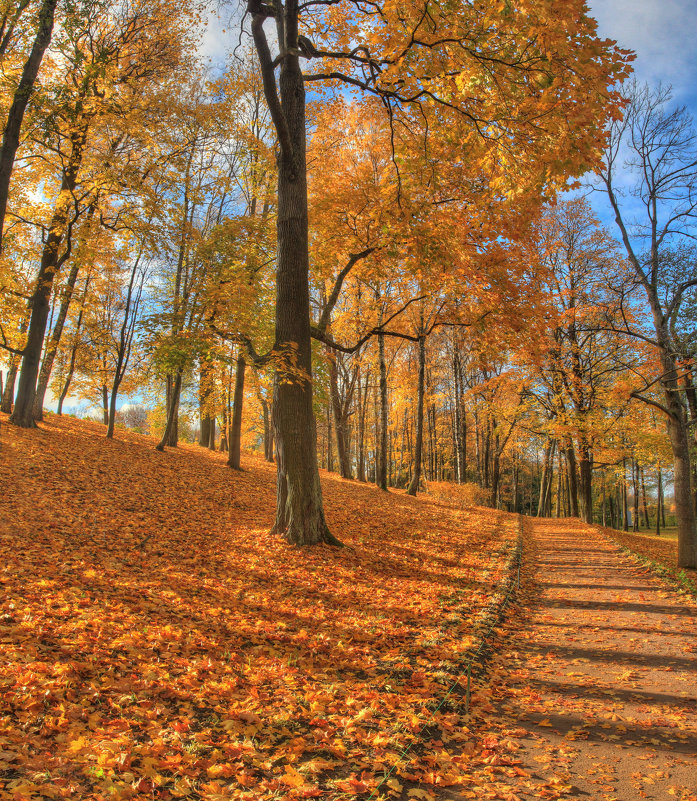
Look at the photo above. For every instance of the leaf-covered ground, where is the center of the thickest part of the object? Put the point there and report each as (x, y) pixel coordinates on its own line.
(158, 643)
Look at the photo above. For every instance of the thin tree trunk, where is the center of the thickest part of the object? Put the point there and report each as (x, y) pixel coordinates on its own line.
(635, 498)
(585, 474)
(362, 413)
(74, 349)
(381, 462)
(413, 487)
(659, 503)
(625, 499)
(8, 392)
(234, 453)
(542, 503)
(570, 452)
(105, 404)
(644, 502)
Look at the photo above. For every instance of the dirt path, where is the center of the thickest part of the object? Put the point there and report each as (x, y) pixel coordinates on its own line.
(599, 700)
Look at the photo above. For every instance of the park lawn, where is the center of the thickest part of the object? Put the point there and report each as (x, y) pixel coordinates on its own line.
(661, 550)
(666, 534)
(158, 643)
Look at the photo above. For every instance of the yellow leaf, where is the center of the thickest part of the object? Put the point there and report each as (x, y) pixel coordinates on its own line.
(292, 778)
(424, 795)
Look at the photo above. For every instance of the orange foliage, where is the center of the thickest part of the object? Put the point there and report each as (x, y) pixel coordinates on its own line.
(158, 643)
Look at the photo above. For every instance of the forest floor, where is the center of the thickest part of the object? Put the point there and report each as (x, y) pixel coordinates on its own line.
(157, 643)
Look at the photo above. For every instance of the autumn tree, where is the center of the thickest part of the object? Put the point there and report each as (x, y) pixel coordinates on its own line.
(43, 29)
(501, 83)
(661, 169)
(105, 58)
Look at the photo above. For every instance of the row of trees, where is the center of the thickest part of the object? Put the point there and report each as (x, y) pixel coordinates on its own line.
(166, 233)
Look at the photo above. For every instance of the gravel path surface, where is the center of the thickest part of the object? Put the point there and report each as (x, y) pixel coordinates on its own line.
(595, 694)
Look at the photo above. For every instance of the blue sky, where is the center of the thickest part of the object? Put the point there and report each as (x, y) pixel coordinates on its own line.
(662, 35)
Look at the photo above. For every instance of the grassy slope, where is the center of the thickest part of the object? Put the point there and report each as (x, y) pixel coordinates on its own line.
(158, 643)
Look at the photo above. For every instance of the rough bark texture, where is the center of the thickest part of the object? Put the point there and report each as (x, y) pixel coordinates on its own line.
(204, 433)
(299, 513)
(170, 432)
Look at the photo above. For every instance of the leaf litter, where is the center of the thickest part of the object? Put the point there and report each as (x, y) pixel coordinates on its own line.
(158, 643)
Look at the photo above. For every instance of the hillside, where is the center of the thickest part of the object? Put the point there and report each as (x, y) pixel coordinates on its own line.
(157, 642)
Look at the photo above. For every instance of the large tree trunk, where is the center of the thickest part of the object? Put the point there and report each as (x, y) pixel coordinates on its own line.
(682, 483)
(13, 126)
(236, 427)
(679, 436)
(204, 433)
(172, 412)
(299, 511)
(23, 413)
(418, 445)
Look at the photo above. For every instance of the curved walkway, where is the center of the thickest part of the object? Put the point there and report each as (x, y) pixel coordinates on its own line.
(596, 693)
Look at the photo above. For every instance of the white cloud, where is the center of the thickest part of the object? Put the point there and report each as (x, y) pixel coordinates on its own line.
(662, 34)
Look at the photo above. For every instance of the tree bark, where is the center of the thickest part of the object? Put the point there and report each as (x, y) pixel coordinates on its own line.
(204, 434)
(105, 404)
(381, 461)
(413, 487)
(299, 510)
(13, 126)
(23, 413)
(571, 464)
(73, 350)
(8, 392)
(340, 407)
(54, 341)
(234, 453)
(172, 413)
(544, 479)
(644, 502)
(585, 474)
